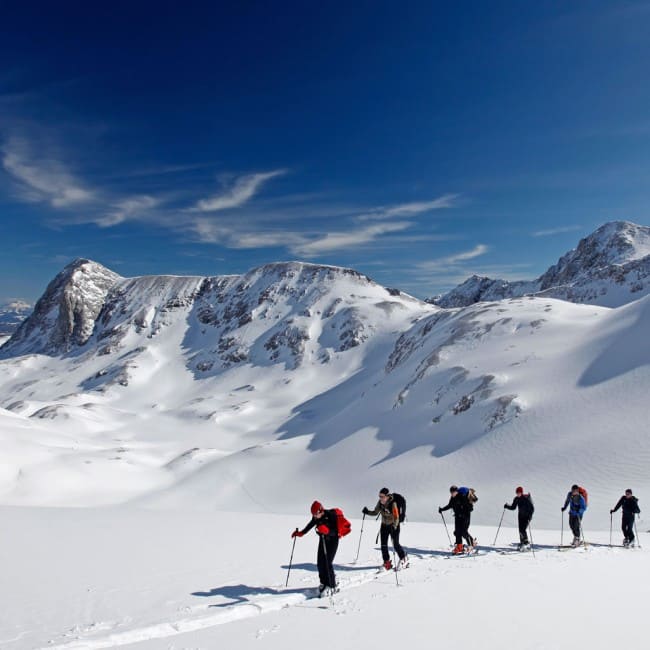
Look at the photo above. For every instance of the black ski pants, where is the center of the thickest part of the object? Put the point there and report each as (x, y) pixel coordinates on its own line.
(524, 522)
(327, 547)
(462, 529)
(628, 526)
(574, 523)
(385, 531)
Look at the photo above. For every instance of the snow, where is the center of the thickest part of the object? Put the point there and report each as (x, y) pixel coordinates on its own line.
(161, 436)
(124, 577)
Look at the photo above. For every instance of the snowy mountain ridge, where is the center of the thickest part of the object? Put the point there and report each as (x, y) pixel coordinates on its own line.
(610, 267)
(298, 381)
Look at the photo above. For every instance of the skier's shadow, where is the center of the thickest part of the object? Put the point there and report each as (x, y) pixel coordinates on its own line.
(307, 566)
(244, 593)
(412, 551)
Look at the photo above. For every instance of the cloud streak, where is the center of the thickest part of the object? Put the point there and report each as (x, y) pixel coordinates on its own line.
(555, 231)
(445, 263)
(131, 208)
(347, 239)
(411, 209)
(242, 190)
(306, 225)
(46, 180)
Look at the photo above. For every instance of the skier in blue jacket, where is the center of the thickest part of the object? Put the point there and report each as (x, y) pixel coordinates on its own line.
(577, 507)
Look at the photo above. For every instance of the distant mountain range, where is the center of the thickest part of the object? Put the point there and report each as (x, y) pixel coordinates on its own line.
(610, 267)
(12, 314)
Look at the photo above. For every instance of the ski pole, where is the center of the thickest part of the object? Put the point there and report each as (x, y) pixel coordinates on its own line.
(286, 584)
(636, 532)
(445, 523)
(360, 535)
(499, 528)
(562, 530)
(610, 528)
(395, 569)
(582, 532)
(532, 545)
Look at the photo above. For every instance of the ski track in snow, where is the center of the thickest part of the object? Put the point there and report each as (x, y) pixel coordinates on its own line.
(227, 614)
(292, 597)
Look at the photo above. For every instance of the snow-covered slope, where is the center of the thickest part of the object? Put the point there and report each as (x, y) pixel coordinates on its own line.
(81, 579)
(294, 381)
(610, 267)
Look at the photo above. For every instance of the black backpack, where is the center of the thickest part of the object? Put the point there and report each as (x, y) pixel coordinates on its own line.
(528, 505)
(400, 501)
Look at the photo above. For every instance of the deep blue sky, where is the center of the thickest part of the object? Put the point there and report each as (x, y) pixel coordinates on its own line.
(417, 142)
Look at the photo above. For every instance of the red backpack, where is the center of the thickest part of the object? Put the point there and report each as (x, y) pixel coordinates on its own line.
(343, 526)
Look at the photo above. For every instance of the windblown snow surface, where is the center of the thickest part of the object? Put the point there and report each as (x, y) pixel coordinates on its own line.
(170, 439)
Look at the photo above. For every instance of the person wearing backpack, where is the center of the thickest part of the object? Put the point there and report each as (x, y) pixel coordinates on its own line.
(388, 507)
(327, 529)
(460, 503)
(630, 505)
(577, 504)
(524, 504)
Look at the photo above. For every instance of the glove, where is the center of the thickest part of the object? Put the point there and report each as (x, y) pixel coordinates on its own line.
(505, 505)
(365, 511)
(563, 509)
(440, 510)
(297, 533)
(611, 512)
(322, 529)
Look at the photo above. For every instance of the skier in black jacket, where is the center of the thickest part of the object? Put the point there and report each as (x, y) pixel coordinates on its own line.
(526, 508)
(328, 543)
(630, 505)
(462, 507)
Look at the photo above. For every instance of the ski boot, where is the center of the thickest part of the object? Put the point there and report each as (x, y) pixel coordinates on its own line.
(458, 549)
(388, 565)
(403, 563)
(575, 542)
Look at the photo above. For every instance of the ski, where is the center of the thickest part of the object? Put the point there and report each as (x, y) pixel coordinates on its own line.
(569, 547)
(470, 553)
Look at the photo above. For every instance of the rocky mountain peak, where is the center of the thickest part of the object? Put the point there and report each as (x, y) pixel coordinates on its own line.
(65, 314)
(609, 267)
(614, 243)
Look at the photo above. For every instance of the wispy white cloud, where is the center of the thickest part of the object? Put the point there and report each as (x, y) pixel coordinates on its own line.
(450, 261)
(130, 208)
(43, 179)
(411, 209)
(302, 243)
(555, 231)
(347, 239)
(304, 224)
(230, 236)
(241, 191)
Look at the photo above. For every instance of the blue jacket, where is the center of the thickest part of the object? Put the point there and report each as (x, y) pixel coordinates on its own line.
(577, 504)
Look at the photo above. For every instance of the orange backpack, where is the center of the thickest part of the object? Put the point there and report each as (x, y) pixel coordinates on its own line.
(584, 495)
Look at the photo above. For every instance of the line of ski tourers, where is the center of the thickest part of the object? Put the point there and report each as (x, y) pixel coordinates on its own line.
(331, 524)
